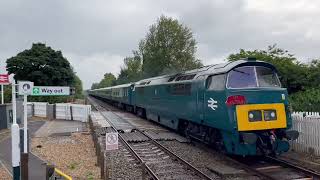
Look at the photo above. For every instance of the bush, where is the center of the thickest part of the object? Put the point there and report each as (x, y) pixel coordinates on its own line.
(308, 100)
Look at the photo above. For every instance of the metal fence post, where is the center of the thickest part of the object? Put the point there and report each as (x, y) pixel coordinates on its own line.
(71, 113)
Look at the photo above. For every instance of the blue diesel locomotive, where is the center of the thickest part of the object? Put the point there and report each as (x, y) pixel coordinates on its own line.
(238, 107)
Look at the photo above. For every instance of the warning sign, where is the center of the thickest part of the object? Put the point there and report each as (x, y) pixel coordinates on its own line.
(111, 141)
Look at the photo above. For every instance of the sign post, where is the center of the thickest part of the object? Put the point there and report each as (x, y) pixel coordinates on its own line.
(15, 137)
(2, 94)
(25, 89)
(4, 80)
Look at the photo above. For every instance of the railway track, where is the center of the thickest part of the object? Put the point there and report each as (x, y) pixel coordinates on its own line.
(268, 167)
(157, 161)
(160, 163)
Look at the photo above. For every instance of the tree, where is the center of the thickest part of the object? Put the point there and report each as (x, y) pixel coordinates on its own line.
(293, 74)
(108, 80)
(131, 70)
(45, 67)
(77, 84)
(168, 47)
(95, 86)
(41, 65)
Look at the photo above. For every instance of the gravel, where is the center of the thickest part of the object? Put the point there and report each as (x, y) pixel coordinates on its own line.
(74, 155)
(206, 160)
(303, 159)
(122, 164)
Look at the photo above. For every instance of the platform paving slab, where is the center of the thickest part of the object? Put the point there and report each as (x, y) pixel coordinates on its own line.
(56, 127)
(36, 166)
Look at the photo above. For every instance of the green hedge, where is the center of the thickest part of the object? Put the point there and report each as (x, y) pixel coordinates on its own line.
(308, 100)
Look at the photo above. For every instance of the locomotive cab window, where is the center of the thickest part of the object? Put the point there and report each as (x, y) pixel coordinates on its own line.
(252, 77)
(216, 82)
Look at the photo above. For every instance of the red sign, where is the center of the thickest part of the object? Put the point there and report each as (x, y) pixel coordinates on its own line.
(4, 79)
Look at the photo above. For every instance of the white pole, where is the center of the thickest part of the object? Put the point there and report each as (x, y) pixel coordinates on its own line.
(15, 136)
(2, 97)
(25, 122)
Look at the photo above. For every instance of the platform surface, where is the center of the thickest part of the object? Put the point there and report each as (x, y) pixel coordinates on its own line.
(37, 167)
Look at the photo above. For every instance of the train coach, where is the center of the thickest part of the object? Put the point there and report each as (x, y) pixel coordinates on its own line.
(238, 107)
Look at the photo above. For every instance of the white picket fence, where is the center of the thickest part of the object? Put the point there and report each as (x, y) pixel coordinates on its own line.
(306, 114)
(308, 126)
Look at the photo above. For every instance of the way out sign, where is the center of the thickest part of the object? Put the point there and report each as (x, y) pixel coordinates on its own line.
(51, 91)
(111, 141)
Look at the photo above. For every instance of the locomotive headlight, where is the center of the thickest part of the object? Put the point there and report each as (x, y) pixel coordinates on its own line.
(250, 115)
(255, 115)
(270, 114)
(273, 114)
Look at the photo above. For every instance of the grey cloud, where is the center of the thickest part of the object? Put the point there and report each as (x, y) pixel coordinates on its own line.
(96, 35)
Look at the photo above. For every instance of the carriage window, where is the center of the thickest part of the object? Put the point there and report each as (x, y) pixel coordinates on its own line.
(267, 78)
(216, 82)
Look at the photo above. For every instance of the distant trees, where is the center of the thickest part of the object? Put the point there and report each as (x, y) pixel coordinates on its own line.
(131, 71)
(301, 80)
(45, 67)
(108, 80)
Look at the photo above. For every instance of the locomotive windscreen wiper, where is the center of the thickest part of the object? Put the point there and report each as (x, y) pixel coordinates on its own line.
(241, 72)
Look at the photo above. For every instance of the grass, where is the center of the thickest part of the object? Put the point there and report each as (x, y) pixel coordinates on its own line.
(90, 176)
(72, 166)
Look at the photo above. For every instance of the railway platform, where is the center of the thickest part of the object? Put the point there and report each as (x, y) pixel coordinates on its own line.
(37, 167)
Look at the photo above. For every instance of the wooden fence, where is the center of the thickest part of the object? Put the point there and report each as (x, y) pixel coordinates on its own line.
(308, 126)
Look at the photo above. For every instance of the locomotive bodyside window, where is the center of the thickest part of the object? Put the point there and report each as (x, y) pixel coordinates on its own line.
(216, 82)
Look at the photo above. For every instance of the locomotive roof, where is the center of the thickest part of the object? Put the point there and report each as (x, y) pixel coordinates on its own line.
(226, 67)
(205, 70)
(193, 74)
(112, 87)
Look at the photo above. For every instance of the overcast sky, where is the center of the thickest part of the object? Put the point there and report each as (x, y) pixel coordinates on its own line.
(96, 35)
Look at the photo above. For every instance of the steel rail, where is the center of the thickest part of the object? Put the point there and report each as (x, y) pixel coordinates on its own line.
(172, 154)
(308, 172)
(151, 173)
(253, 171)
(176, 156)
(250, 170)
